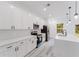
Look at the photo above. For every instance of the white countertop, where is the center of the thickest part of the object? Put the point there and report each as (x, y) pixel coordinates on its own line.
(7, 37)
(4, 42)
(68, 38)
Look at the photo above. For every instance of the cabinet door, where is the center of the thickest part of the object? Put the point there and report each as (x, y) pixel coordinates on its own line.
(25, 46)
(8, 50)
(28, 43)
(29, 47)
(32, 43)
(22, 48)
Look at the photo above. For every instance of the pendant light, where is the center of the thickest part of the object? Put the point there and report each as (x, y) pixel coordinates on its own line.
(68, 16)
(46, 6)
(69, 21)
(76, 13)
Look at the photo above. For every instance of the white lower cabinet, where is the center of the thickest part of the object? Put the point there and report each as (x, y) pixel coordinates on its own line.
(25, 46)
(21, 48)
(18, 49)
(8, 50)
(32, 42)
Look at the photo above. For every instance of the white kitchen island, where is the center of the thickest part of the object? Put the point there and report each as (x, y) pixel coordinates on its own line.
(67, 46)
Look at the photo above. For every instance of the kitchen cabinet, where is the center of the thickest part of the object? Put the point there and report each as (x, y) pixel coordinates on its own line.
(32, 43)
(19, 48)
(8, 50)
(25, 46)
(22, 48)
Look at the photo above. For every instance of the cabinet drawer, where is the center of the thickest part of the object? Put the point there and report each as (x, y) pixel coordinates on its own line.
(8, 50)
(21, 42)
(32, 40)
(8, 46)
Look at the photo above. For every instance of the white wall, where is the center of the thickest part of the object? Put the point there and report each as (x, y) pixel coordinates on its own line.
(60, 16)
(52, 27)
(12, 15)
(69, 27)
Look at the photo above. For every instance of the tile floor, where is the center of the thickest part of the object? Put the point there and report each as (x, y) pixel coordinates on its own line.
(56, 48)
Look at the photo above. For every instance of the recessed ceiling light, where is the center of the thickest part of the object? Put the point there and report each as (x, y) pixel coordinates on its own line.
(11, 6)
(44, 9)
(29, 14)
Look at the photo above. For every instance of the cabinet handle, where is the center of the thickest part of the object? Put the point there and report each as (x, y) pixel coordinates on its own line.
(32, 41)
(9, 47)
(22, 42)
(17, 48)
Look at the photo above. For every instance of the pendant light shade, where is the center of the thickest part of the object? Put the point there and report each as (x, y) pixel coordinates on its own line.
(76, 16)
(76, 13)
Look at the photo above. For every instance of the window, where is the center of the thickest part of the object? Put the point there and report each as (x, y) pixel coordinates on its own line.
(77, 29)
(60, 28)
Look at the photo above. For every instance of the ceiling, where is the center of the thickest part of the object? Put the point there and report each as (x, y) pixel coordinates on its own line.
(57, 9)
